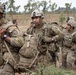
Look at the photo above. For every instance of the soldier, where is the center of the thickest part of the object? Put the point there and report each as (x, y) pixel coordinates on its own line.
(12, 40)
(69, 32)
(54, 38)
(71, 56)
(46, 33)
(37, 30)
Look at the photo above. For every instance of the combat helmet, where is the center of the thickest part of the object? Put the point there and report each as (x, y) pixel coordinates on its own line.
(72, 23)
(36, 13)
(70, 18)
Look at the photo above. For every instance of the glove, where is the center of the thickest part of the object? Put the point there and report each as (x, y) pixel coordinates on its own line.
(2, 31)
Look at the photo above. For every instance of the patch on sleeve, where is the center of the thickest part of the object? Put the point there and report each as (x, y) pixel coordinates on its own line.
(11, 29)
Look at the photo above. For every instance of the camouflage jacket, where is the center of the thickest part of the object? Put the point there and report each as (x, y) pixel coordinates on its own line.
(50, 31)
(54, 36)
(40, 33)
(16, 43)
(28, 51)
(69, 38)
(13, 32)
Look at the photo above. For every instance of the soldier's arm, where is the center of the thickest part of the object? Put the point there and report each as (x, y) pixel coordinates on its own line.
(13, 36)
(14, 41)
(57, 35)
(74, 42)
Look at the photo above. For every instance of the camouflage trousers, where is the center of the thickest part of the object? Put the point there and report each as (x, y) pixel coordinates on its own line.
(71, 60)
(68, 58)
(56, 58)
(7, 70)
(65, 51)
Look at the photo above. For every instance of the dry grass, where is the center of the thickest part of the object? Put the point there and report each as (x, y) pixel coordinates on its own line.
(25, 19)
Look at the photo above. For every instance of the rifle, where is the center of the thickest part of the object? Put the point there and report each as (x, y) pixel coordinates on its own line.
(9, 52)
(34, 60)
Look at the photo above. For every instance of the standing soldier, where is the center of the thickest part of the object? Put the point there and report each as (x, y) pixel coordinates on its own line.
(68, 44)
(12, 40)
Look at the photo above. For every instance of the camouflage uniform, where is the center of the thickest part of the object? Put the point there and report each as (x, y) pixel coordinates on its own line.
(46, 33)
(14, 46)
(54, 39)
(28, 53)
(39, 33)
(68, 45)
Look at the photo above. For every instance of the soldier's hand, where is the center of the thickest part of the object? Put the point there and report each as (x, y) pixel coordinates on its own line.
(2, 31)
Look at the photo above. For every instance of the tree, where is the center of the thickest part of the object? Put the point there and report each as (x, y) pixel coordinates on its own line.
(73, 10)
(68, 7)
(30, 6)
(58, 10)
(11, 8)
(43, 4)
(40, 5)
(53, 7)
(49, 5)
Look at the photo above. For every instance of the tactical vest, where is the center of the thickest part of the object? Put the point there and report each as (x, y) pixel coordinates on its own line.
(1, 43)
(28, 52)
(67, 42)
(29, 47)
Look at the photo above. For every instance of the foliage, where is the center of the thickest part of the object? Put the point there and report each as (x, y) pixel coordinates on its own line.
(11, 8)
(30, 6)
(52, 70)
(44, 5)
(53, 7)
(68, 7)
(61, 18)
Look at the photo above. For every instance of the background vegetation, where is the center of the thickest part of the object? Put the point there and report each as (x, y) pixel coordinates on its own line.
(51, 11)
(45, 6)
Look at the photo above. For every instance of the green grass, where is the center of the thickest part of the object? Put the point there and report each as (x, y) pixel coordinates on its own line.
(52, 70)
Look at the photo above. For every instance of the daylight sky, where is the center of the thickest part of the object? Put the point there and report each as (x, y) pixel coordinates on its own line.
(60, 3)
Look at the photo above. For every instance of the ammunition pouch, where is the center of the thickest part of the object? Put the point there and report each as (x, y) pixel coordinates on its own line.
(42, 49)
(67, 42)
